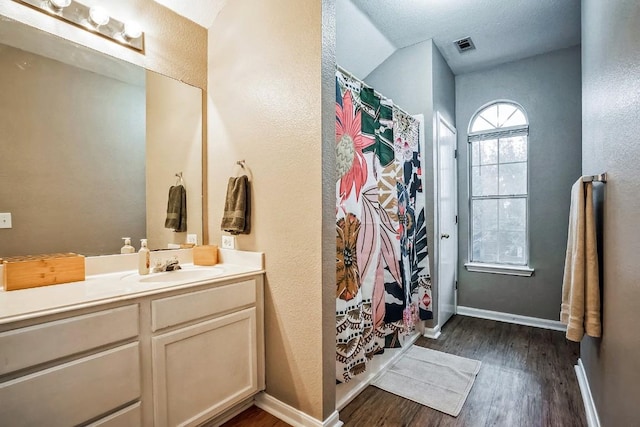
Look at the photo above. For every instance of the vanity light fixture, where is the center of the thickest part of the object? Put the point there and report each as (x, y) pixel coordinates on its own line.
(98, 16)
(92, 19)
(131, 30)
(59, 4)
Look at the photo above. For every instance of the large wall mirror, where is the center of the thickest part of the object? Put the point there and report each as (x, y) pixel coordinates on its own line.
(89, 147)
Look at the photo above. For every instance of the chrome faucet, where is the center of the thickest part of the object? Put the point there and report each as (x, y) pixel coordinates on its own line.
(169, 265)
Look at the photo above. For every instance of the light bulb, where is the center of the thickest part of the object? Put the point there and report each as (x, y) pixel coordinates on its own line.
(132, 30)
(59, 4)
(98, 16)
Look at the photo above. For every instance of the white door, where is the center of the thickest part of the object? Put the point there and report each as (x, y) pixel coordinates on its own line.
(446, 235)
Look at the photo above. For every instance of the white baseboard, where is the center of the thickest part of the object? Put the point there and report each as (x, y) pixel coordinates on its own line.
(346, 392)
(291, 415)
(590, 408)
(536, 322)
(432, 333)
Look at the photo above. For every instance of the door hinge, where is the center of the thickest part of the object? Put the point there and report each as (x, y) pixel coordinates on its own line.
(455, 154)
(456, 285)
(456, 219)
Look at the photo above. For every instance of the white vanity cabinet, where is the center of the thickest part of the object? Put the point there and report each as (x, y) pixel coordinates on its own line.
(213, 359)
(179, 356)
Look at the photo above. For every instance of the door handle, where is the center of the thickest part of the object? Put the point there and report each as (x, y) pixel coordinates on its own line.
(444, 236)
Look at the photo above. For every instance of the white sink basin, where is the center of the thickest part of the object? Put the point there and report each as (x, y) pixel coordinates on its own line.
(186, 275)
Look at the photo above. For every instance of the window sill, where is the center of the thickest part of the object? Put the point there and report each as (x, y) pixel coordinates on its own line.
(510, 270)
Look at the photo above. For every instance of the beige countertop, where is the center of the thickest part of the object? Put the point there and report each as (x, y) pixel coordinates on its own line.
(123, 285)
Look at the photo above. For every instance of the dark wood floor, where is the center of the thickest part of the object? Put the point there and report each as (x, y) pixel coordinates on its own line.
(255, 417)
(526, 379)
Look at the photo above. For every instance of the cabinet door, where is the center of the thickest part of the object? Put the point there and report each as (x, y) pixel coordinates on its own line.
(201, 370)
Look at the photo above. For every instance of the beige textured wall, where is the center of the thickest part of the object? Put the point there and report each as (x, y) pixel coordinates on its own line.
(266, 106)
(175, 46)
(174, 144)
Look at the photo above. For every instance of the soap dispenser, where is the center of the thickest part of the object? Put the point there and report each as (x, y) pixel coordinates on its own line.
(127, 248)
(143, 258)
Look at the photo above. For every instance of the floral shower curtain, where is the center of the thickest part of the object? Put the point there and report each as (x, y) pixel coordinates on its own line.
(382, 265)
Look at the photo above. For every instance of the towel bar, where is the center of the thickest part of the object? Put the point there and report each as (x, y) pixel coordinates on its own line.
(595, 178)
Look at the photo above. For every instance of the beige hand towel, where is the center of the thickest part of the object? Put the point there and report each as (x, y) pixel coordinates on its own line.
(235, 219)
(580, 309)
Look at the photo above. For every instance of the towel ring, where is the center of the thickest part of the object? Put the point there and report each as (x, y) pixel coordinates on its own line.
(179, 179)
(245, 169)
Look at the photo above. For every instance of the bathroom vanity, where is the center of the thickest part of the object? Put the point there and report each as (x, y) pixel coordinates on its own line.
(118, 349)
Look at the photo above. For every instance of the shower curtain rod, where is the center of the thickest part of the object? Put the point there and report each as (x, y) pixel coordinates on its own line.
(343, 71)
(596, 178)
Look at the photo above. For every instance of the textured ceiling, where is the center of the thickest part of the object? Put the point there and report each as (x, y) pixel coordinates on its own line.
(502, 30)
(202, 12)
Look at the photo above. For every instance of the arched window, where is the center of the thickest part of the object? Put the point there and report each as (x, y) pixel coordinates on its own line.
(498, 173)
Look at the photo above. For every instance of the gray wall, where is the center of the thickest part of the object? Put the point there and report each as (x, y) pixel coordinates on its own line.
(611, 108)
(548, 87)
(405, 77)
(418, 79)
(444, 89)
(72, 169)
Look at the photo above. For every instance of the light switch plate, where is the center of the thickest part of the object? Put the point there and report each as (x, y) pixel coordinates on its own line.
(229, 242)
(5, 220)
(192, 238)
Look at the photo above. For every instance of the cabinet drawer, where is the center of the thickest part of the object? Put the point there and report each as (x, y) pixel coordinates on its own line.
(196, 305)
(127, 417)
(74, 392)
(25, 347)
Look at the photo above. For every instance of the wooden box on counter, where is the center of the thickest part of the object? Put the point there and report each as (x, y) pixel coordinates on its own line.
(32, 271)
(205, 255)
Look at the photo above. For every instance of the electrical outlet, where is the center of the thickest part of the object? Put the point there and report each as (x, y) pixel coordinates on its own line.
(229, 242)
(5, 220)
(192, 238)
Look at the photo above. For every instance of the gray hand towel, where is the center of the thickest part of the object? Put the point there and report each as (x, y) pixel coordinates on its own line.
(177, 209)
(235, 219)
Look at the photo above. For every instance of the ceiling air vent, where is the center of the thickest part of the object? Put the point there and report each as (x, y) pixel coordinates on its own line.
(464, 44)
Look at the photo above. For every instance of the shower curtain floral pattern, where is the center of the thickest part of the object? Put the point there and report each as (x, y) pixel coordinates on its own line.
(382, 274)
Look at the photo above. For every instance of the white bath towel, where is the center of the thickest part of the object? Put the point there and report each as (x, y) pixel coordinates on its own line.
(580, 309)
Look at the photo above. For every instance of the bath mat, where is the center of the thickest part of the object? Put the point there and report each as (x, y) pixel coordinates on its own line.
(432, 378)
